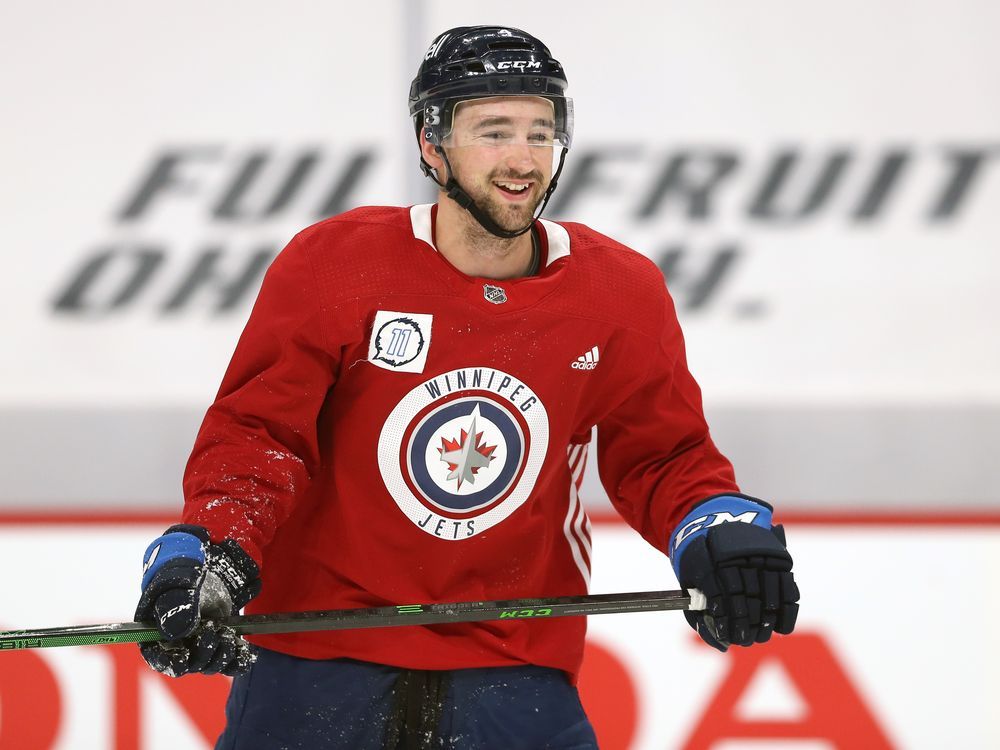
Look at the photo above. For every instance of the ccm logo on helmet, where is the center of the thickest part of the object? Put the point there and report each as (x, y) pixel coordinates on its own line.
(518, 64)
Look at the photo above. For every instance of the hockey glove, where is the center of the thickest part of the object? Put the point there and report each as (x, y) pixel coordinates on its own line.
(188, 584)
(727, 548)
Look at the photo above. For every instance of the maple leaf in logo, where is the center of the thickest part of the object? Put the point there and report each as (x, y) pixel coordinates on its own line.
(467, 455)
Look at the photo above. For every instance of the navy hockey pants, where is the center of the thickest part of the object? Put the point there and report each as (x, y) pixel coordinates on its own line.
(288, 703)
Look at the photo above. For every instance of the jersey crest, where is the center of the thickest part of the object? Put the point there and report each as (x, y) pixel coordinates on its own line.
(462, 451)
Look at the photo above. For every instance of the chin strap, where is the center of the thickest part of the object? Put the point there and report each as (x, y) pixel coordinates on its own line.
(457, 193)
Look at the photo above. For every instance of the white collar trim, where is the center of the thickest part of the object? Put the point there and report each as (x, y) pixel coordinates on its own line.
(420, 219)
(558, 239)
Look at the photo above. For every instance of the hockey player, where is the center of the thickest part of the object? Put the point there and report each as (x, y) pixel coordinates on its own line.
(406, 419)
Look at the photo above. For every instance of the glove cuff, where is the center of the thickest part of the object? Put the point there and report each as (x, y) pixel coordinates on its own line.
(713, 511)
(189, 528)
(231, 566)
(176, 542)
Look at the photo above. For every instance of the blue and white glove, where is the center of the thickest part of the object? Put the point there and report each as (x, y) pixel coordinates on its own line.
(727, 548)
(188, 584)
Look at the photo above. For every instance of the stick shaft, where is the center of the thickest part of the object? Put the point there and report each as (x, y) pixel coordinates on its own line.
(376, 617)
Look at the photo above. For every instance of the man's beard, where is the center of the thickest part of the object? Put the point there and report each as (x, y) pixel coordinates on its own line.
(509, 216)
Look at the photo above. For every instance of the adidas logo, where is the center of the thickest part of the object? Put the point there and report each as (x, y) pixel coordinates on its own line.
(587, 361)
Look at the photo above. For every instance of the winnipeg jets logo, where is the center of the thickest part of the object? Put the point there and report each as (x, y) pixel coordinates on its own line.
(467, 455)
(463, 450)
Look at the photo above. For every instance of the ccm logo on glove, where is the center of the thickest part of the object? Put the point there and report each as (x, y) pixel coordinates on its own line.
(171, 612)
(721, 517)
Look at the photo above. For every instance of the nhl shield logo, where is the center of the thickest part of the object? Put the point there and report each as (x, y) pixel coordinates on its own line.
(494, 294)
(462, 451)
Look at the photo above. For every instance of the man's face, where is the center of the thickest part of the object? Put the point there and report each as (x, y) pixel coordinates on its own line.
(501, 150)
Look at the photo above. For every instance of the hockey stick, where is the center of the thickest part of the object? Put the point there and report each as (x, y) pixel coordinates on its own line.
(375, 617)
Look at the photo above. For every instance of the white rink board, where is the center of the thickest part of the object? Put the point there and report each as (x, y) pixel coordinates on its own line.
(154, 160)
(878, 289)
(907, 653)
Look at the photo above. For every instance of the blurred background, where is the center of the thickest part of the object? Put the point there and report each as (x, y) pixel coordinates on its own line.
(818, 182)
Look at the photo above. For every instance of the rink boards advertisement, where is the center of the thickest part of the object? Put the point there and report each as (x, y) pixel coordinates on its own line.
(825, 227)
(876, 661)
(829, 227)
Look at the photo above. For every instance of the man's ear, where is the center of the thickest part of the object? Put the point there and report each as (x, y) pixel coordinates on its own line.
(430, 153)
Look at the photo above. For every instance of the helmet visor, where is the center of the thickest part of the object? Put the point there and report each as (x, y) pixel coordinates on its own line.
(505, 121)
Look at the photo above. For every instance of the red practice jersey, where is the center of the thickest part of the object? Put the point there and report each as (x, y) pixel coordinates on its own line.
(392, 431)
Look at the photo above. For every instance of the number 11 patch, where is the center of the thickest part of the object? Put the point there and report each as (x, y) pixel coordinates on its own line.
(399, 341)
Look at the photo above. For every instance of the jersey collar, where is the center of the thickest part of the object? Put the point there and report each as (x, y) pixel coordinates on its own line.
(556, 237)
(500, 296)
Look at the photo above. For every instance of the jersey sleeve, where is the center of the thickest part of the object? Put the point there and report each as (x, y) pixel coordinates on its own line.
(654, 452)
(257, 447)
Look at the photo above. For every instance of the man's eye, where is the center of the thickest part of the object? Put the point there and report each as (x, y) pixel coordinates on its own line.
(495, 135)
(545, 138)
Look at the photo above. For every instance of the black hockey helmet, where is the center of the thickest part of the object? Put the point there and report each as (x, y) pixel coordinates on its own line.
(471, 62)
